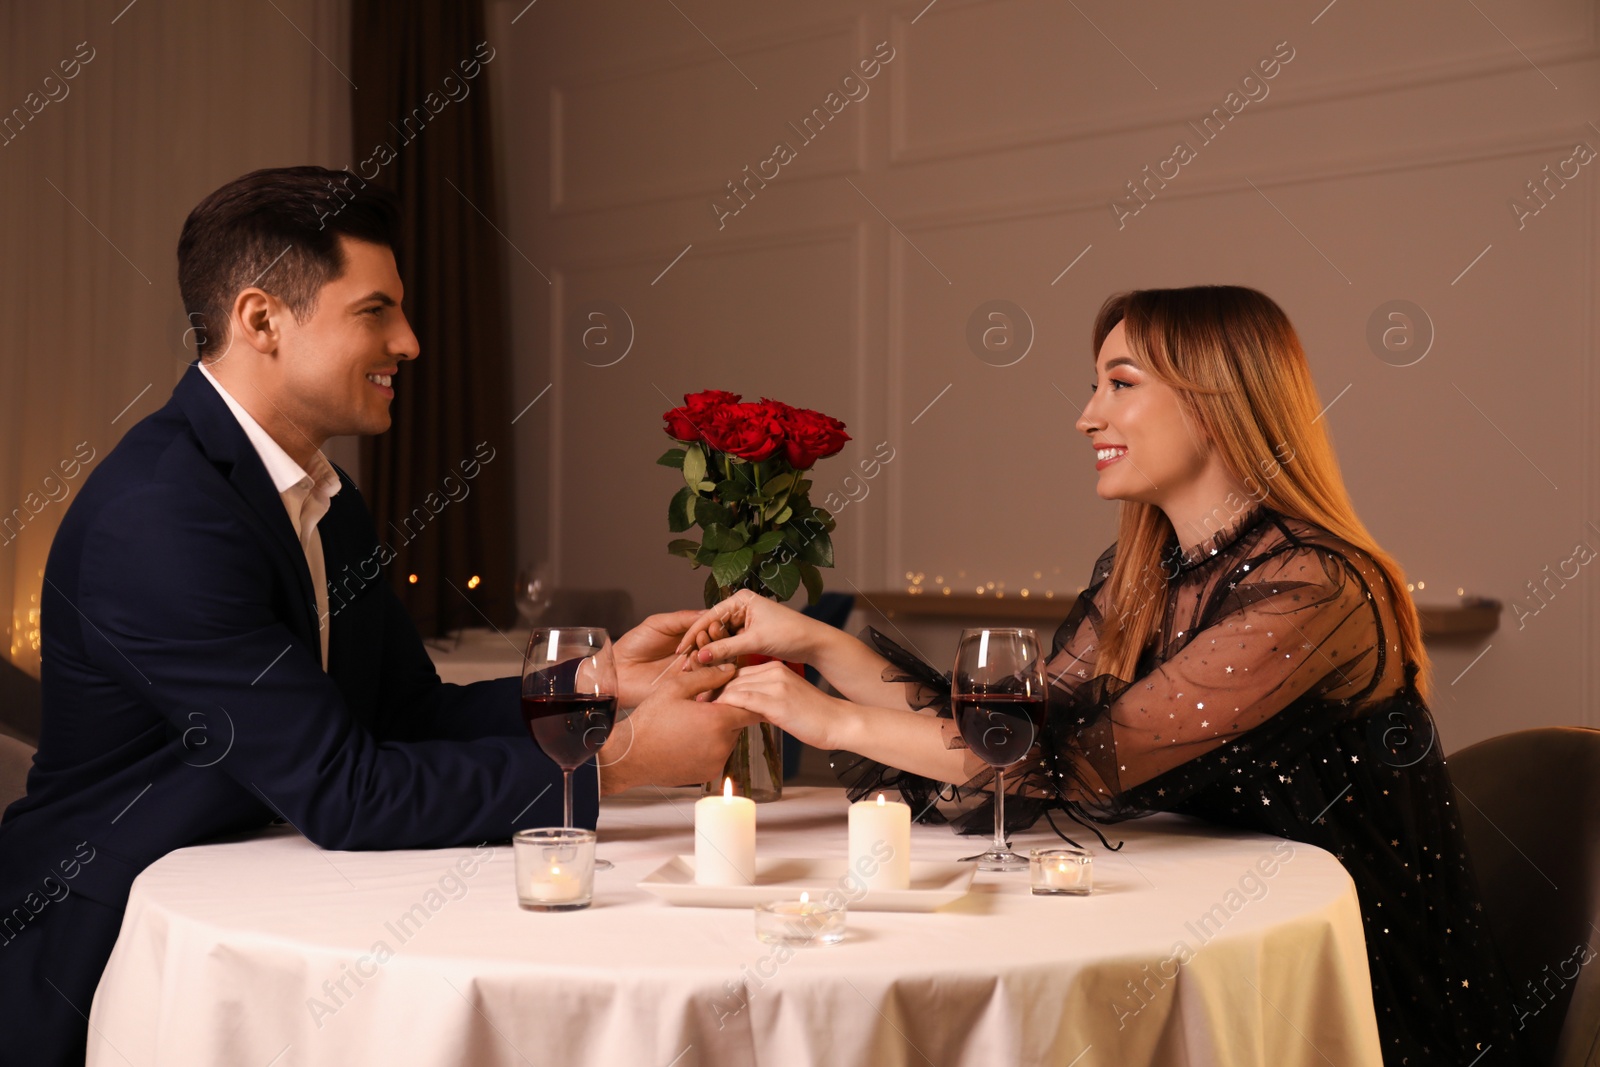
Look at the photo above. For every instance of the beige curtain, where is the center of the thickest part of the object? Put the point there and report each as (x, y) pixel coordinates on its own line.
(115, 119)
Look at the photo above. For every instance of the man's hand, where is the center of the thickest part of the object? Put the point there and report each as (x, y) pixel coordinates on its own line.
(646, 651)
(672, 738)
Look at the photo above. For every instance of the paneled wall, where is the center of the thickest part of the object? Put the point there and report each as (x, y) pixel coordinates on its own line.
(1341, 157)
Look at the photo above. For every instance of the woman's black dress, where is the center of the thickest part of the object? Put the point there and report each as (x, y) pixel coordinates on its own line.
(1275, 699)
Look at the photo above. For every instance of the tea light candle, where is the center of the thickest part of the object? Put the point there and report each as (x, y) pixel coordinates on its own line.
(800, 922)
(554, 885)
(554, 868)
(880, 843)
(1061, 872)
(725, 839)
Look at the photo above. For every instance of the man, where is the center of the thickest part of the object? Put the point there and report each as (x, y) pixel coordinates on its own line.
(195, 682)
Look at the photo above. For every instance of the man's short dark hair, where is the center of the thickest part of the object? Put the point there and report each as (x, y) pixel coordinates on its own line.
(278, 230)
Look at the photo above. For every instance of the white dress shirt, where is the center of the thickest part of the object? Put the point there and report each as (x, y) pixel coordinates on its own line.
(305, 496)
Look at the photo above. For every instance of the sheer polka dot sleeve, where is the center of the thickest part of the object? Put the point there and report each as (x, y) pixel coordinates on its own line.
(1294, 629)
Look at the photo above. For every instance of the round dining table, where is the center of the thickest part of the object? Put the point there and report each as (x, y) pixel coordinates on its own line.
(1198, 945)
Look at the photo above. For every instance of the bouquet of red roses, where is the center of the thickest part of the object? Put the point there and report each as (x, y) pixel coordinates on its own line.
(745, 487)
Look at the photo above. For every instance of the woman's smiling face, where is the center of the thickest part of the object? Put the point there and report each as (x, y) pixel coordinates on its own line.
(1148, 448)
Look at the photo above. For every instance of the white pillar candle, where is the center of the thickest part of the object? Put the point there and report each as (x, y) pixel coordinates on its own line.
(880, 843)
(725, 839)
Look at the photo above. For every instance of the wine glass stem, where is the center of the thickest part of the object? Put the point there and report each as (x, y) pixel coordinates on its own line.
(566, 798)
(999, 810)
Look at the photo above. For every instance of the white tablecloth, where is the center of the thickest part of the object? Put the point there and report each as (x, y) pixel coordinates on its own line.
(269, 951)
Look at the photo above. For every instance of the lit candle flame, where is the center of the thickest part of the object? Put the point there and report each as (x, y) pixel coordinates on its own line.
(880, 800)
(727, 789)
(555, 870)
(805, 898)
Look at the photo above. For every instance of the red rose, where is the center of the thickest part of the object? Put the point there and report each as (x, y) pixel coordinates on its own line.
(711, 398)
(780, 413)
(810, 436)
(681, 426)
(689, 423)
(715, 424)
(749, 431)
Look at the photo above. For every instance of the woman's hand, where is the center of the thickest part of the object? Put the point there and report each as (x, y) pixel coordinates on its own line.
(747, 624)
(899, 737)
(785, 699)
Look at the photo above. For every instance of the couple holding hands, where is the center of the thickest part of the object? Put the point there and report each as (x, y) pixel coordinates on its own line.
(1245, 653)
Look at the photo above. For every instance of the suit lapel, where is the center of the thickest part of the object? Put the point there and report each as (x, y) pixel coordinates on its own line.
(224, 443)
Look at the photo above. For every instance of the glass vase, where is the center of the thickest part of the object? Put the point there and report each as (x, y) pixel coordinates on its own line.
(756, 762)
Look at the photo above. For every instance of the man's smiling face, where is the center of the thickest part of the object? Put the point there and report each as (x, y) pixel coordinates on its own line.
(336, 369)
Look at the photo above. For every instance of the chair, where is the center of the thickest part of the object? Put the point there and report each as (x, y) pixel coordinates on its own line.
(1530, 809)
(16, 757)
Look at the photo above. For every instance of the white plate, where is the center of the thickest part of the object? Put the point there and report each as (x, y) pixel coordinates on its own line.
(784, 877)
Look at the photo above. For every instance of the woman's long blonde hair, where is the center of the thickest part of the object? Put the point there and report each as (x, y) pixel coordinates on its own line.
(1241, 373)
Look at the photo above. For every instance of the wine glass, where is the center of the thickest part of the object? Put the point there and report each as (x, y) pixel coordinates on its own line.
(533, 592)
(998, 694)
(569, 700)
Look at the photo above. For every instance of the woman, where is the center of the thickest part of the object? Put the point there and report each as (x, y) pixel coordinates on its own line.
(1245, 653)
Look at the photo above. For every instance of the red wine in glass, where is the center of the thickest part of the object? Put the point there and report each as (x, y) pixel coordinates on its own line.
(569, 699)
(998, 696)
(569, 727)
(1000, 727)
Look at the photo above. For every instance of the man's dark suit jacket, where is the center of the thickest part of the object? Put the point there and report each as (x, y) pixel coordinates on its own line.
(184, 698)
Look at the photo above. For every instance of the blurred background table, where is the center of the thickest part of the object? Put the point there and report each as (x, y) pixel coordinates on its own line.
(477, 655)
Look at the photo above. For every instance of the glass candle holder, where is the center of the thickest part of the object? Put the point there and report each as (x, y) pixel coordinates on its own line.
(800, 922)
(1061, 872)
(555, 869)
